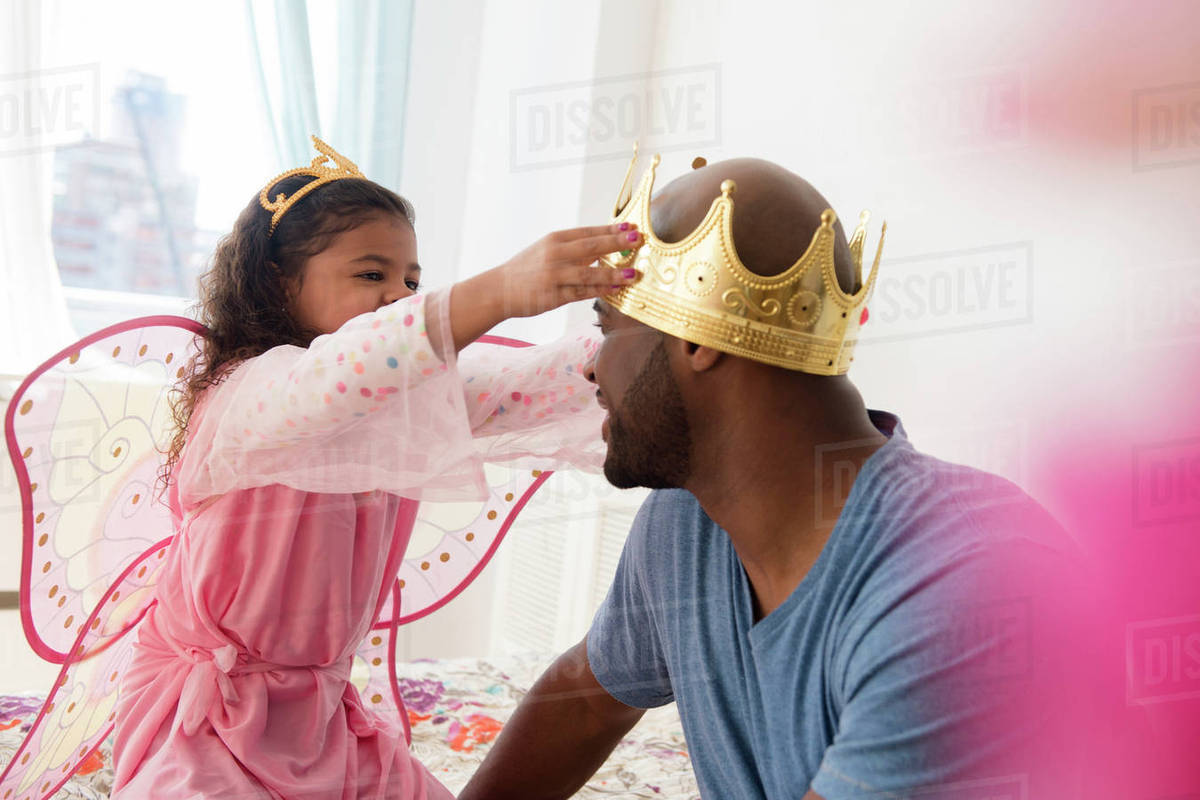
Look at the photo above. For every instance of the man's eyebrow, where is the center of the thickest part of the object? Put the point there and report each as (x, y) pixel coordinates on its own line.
(600, 308)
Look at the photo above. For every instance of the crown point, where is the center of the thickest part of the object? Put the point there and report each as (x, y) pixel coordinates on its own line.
(728, 187)
(828, 217)
(863, 217)
(656, 160)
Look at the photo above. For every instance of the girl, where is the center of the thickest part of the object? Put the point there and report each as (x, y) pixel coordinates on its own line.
(327, 399)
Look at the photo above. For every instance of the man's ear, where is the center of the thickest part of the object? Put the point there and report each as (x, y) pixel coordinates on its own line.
(699, 357)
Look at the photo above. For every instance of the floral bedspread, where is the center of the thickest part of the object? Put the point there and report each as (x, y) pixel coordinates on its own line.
(456, 708)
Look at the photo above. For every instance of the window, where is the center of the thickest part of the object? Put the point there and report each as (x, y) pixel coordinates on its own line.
(178, 148)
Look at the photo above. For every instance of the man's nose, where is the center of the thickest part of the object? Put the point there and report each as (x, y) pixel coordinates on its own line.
(589, 369)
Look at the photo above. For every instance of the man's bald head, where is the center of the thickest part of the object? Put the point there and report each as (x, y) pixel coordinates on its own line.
(775, 214)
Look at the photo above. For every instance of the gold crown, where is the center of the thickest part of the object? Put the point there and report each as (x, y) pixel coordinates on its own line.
(345, 169)
(700, 291)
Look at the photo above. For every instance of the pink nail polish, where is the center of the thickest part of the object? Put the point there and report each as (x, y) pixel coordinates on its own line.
(624, 226)
(629, 272)
(632, 236)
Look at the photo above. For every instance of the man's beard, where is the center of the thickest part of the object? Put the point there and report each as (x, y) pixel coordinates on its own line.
(649, 442)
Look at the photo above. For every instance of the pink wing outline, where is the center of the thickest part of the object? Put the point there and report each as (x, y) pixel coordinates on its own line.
(383, 692)
(412, 608)
(20, 406)
(77, 715)
(97, 651)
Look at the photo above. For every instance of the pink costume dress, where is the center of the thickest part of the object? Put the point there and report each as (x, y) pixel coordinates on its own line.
(295, 499)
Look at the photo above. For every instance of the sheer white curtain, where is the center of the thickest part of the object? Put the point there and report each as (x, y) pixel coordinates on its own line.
(33, 313)
(364, 98)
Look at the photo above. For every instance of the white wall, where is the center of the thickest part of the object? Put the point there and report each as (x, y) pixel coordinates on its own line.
(1000, 133)
(996, 139)
(475, 210)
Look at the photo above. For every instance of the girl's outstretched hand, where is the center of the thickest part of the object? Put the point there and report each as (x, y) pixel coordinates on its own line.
(556, 269)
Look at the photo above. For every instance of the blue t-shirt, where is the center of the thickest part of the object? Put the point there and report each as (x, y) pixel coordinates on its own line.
(920, 655)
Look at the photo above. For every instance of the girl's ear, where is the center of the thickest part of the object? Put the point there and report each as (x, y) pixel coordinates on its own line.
(290, 286)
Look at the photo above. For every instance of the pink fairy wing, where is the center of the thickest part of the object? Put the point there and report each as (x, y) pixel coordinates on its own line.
(382, 692)
(451, 543)
(467, 536)
(85, 433)
(432, 579)
(79, 712)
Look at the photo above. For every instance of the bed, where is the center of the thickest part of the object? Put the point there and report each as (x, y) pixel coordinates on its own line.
(456, 708)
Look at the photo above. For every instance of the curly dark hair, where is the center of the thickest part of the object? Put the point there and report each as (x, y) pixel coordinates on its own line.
(243, 294)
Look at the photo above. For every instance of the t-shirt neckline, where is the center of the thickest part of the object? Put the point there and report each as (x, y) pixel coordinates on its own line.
(890, 426)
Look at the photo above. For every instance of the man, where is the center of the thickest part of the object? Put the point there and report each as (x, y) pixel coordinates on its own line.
(835, 614)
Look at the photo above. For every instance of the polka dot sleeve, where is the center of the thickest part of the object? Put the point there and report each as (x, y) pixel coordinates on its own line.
(534, 406)
(370, 406)
(374, 406)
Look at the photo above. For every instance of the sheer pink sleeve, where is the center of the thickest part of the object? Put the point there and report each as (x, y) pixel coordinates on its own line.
(535, 407)
(371, 406)
(374, 406)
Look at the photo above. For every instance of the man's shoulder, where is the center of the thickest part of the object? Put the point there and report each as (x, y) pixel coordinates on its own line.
(951, 536)
(931, 493)
(937, 532)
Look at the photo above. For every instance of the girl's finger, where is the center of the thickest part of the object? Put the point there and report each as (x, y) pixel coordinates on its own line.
(587, 232)
(601, 277)
(587, 250)
(570, 294)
